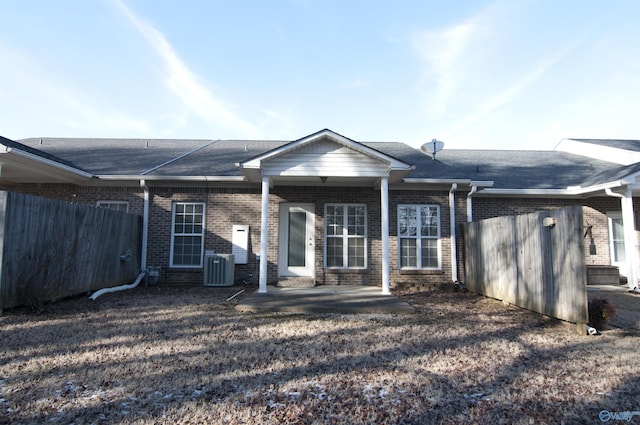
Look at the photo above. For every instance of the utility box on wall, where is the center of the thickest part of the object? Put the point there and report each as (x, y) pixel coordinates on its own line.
(240, 243)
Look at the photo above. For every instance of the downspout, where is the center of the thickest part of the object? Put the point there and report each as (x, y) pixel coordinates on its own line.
(143, 253)
(628, 225)
(474, 189)
(145, 225)
(452, 222)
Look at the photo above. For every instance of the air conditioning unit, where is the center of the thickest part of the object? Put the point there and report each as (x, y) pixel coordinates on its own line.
(218, 270)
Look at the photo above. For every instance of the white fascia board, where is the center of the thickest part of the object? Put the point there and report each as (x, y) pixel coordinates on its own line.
(112, 177)
(579, 190)
(465, 182)
(481, 183)
(526, 192)
(394, 164)
(413, 180)
(64, 170)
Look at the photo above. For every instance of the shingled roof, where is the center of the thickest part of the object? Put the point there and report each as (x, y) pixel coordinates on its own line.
(508, 169)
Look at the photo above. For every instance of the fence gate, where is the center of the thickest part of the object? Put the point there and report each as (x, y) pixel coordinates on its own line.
(535, 261)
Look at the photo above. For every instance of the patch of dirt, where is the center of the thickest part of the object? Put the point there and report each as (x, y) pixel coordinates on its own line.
(166, 355)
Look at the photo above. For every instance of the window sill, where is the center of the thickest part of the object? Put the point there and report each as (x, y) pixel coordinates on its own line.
(346, 271)
(420, 272)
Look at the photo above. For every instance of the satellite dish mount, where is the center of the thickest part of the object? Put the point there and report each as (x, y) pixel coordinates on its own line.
(432, 147)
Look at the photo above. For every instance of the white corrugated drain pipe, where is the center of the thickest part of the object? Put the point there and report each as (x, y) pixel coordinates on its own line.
(119, 288)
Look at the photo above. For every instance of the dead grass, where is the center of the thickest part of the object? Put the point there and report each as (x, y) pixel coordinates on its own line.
(164, 355)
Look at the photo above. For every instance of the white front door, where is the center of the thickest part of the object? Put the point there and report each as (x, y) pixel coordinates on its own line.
(296, 236)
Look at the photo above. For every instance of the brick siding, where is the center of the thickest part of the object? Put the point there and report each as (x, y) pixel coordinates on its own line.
(225, 207)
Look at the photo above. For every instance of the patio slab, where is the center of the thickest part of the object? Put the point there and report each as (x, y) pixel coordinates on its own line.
(325, 299)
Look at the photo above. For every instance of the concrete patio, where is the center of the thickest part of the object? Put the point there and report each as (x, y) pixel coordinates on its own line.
(325, 299)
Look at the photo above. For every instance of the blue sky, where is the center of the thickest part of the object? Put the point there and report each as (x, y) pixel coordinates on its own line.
(501, 74)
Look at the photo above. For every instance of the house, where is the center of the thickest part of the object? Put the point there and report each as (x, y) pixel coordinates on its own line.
(328, 209)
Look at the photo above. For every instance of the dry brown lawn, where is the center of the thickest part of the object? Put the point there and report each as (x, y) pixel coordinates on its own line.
(165, 355)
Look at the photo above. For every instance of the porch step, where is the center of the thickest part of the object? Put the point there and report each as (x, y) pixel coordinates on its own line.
(296, 282)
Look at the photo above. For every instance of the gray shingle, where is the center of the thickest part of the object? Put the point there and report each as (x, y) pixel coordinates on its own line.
(115, 156)
(509, 169)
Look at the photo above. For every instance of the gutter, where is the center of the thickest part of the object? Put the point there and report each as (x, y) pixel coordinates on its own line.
(436, 181)
(529, 192)
(221, 179)
(476, 186)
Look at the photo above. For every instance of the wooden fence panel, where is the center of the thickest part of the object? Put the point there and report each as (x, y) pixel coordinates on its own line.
(520, 260)
(52, 249)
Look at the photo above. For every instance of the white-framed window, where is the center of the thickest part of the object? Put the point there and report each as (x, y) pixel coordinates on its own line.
(187, 234)
(616, 239)
(114, 205)
(419, 236)
(345, 231)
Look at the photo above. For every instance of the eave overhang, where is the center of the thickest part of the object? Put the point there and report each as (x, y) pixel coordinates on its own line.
(24, 167)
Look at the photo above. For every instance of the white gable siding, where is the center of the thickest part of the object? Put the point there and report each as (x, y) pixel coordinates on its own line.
(325, 158)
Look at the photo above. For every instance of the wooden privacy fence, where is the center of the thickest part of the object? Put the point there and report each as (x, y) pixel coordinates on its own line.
(52, 249)
(534, 261)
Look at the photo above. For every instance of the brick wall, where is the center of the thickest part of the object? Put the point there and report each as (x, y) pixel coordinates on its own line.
(594, 214)
(225, 207)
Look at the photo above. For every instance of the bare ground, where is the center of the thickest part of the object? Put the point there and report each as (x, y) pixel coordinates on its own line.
(164, 355)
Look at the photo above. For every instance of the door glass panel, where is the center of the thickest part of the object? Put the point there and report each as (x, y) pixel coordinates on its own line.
(617, 231)
(297, 238)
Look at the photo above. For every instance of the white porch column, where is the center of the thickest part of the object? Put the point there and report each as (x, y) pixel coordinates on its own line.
(264, 237)
(384, 234)
(630, 244)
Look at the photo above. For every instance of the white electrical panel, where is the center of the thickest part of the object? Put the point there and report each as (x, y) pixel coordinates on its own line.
(240, 241)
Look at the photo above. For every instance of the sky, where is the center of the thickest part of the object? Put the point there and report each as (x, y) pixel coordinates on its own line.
(495, 74)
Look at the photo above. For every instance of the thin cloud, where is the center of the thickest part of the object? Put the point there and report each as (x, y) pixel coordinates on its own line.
(512, 90)
(184, 83)
(58, 102)
(442, 51)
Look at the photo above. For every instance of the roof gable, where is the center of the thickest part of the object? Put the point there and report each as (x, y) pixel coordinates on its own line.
(324, 153)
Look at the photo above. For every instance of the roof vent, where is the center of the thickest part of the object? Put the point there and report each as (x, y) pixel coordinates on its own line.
(432, 147)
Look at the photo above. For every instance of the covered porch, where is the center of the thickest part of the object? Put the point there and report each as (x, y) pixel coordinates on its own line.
(324, 160)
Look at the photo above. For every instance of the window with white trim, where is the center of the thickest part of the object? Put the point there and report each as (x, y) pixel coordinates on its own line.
(616, 238)
(345, 230)
(419, 236)
(114, 205)
(187, 234)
